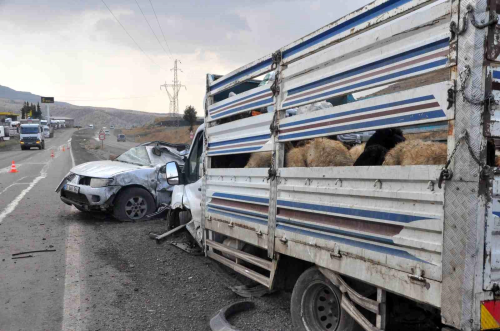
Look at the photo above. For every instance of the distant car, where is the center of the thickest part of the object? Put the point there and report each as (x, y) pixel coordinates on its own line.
(111, 126)
(121, 137)
(131, 186)
(107, 132)
(91, 126)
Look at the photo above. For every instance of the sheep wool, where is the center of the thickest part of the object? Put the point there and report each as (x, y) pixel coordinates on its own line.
(417, 152)
(356, 151)
(296, 157)
(259, 160)
(328, 153)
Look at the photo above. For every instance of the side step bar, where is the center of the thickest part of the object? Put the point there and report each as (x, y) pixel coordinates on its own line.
(236, 266)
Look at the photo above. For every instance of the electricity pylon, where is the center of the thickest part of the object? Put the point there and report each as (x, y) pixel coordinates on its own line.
(173, 94)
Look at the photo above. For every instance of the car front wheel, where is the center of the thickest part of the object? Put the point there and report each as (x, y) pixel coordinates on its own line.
(133, 204)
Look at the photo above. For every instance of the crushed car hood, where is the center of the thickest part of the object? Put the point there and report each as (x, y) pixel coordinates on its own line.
(104, 169)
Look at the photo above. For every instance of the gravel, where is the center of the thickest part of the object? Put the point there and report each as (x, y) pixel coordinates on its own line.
(128, 282)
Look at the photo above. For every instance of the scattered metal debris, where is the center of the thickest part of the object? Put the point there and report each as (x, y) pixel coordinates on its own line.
(21, 257)
(245, 291)
(219, 322)
(187, 247)
(160, 237)
(40, 251)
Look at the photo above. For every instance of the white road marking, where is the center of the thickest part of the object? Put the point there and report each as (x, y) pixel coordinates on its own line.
(71, 313)
(13, 204)
(71, 153)
(72, 286)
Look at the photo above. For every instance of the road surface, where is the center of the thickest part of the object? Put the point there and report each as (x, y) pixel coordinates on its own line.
(103, 274)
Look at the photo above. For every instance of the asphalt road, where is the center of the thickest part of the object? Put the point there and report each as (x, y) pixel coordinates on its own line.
(32, 218)
(103, 274)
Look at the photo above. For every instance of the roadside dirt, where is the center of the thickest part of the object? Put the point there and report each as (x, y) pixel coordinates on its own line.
(131, 283)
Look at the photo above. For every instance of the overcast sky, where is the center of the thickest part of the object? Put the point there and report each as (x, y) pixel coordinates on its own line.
(75, 50)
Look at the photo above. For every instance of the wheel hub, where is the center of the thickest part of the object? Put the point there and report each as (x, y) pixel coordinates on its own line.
(136, 208)
(322, 308)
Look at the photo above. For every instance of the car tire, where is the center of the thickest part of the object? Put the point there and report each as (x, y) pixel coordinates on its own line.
(133, 204)
(43, 144)
(315, 304)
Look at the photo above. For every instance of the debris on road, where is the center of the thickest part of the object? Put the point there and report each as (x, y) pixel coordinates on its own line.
(160, 237)
(188, 247)
(39, 251)
(21, 257)
(245, 291)
(219, 322)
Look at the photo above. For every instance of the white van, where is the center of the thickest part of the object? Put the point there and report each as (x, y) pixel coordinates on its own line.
(46, 131)
(31, 135)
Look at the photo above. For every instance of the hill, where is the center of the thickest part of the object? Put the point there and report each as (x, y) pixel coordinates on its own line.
(12, 100)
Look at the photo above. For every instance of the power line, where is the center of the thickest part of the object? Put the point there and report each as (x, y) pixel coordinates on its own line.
(131, 36)
(152, 29)
(165, 39)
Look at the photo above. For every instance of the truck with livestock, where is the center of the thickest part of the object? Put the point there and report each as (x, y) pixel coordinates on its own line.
(406, 227)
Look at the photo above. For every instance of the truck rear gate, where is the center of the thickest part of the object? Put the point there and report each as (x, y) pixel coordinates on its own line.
(393, 63)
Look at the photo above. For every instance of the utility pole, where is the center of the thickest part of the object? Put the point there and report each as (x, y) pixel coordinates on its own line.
(173, 94)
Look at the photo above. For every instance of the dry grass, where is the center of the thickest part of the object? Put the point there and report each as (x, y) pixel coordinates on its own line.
(145, 130)
(175, 136)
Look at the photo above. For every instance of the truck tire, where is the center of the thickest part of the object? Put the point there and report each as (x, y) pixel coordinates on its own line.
(315, 305)
(133, 204)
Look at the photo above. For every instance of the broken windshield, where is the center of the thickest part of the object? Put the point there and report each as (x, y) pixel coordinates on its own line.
(137, 155)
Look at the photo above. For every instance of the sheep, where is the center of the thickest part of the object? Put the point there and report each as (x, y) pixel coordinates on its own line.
(378, 145)
(417, 152)
(259, 160)
(356, 151)
(327, 153)
(297, 157)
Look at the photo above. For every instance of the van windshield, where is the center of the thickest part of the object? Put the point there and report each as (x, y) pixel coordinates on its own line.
(29, 129)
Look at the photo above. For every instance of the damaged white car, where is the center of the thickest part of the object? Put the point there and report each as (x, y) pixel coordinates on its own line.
(130, 187)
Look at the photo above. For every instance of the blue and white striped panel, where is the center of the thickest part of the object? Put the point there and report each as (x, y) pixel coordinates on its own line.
(254, 99)
(417, 61)
(322, 36)
(238, 146)
(376, 242)
(421, 105)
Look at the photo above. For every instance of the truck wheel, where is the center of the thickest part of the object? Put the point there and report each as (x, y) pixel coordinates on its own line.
(315, 304)
(133, 204)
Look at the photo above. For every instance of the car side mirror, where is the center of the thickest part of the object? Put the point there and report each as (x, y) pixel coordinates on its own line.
(173, 172)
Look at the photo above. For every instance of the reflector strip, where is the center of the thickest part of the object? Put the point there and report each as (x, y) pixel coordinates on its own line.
(490, 315)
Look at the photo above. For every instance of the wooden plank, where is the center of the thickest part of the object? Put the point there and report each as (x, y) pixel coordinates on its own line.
(264, 264)
(240, 269)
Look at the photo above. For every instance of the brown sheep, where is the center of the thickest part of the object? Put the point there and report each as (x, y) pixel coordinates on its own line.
(417, 152)
(327, 153)
(356, 151)
(259, 160)
(297, 157)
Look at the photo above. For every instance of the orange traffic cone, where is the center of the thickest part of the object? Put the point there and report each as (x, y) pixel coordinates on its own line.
(52, 153)
(13, 167)
(64, 149)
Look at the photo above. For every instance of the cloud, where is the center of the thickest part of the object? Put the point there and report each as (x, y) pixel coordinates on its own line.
(76, 50)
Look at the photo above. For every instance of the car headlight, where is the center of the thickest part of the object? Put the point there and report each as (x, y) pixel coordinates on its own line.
(99, 182)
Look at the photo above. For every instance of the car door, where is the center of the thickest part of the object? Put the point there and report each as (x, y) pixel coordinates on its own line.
(192, 189)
